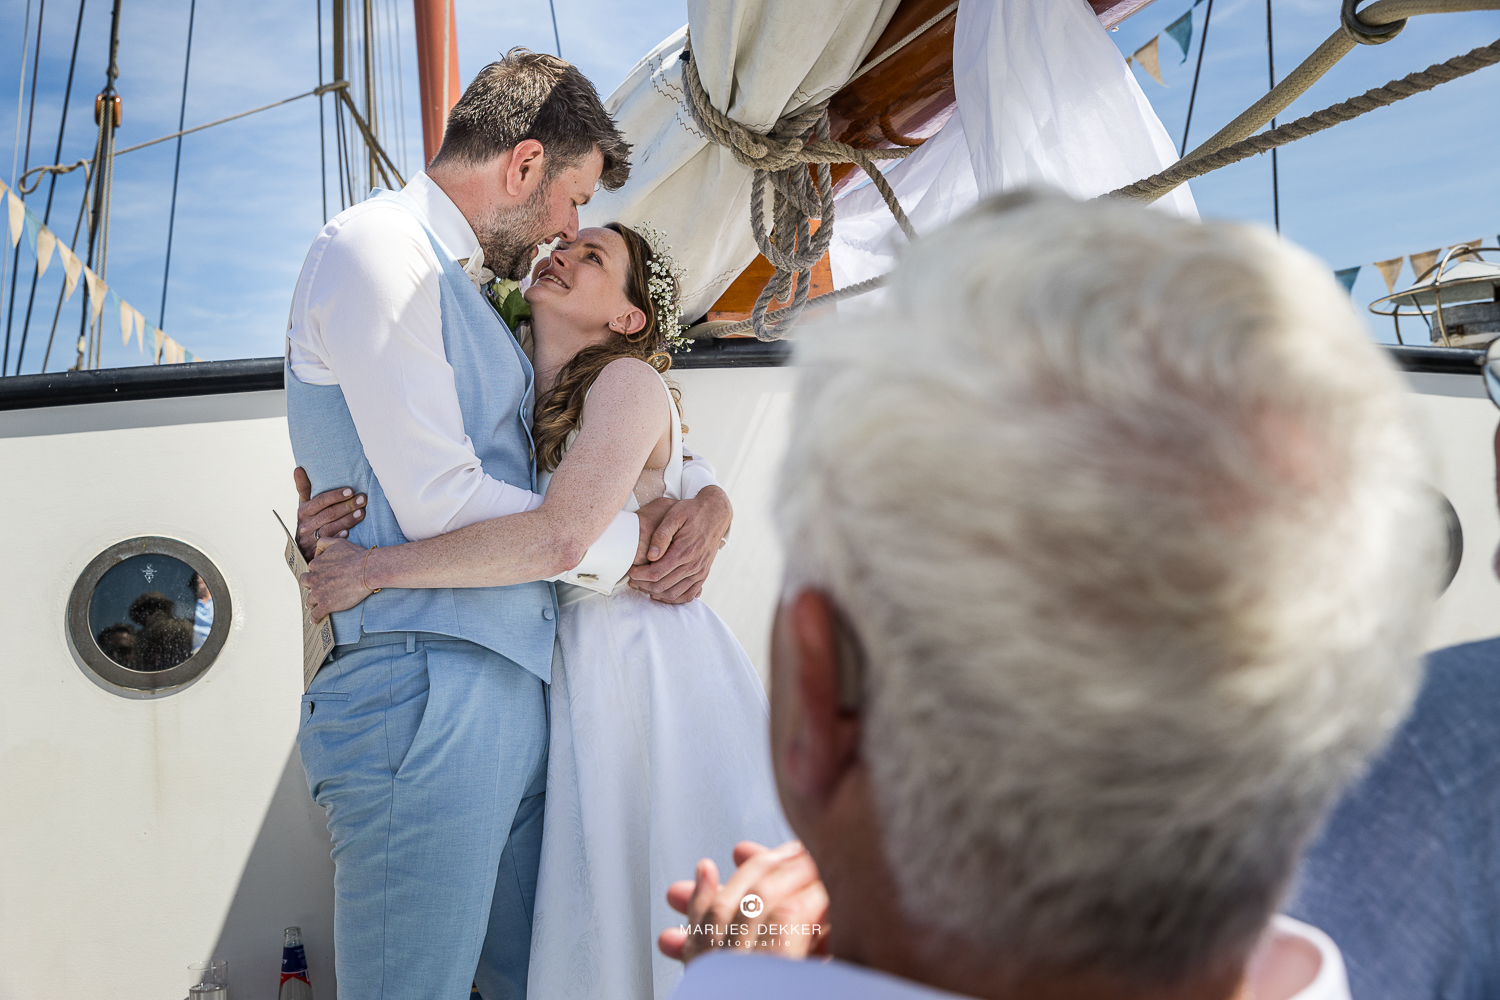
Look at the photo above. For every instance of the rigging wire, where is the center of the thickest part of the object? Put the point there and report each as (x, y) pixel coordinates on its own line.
(555, 36)
(1271, 72)
(62, 127)
(103, 187)
(322, 132)
(187, 62)
(1198, 71)
(62, 291)
(15, 264)
(401, 88)
(15, 157)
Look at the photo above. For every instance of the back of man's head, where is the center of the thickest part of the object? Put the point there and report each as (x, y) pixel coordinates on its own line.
(531, 95)
(1128, 518)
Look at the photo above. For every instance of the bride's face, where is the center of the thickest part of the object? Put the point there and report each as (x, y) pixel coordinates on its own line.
(581, 287)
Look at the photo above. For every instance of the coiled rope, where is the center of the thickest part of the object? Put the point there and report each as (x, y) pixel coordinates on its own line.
(1155, 186)
(782, 156)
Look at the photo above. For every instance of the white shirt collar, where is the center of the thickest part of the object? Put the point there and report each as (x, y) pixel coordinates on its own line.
(445, 219)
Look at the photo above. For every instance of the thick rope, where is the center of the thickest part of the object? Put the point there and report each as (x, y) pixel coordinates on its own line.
(1338, 45)
(781, 157)
(1182, 171)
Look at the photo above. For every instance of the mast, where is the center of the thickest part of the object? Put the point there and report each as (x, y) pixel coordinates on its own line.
(437, 69)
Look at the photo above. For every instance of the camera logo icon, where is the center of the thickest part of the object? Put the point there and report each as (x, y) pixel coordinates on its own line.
(752, 905)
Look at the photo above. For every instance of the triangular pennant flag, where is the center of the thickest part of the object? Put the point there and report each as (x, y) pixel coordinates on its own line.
(33, 227)
(96, 289)
(1346, 278)
(4, 187)
(72, 267)
(1423, 262)
(1146, 56)
(1390, 270)
(140, 330)
(156, 353)
(45, 244)
(17, 217)
(127, 322)
(197, 360)
(1181, 31)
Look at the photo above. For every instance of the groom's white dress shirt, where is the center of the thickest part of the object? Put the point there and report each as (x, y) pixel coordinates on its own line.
(367, 316)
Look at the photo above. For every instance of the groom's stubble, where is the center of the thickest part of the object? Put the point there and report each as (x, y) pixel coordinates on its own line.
(509, 236)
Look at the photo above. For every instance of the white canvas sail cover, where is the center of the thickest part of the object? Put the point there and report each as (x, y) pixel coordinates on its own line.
(758, 60)
(1044, 97)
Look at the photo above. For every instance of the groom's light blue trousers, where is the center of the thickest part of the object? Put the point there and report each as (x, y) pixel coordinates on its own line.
(429, 755)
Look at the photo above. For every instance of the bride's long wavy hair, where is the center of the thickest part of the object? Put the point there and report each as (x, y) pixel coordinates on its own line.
(559, 412)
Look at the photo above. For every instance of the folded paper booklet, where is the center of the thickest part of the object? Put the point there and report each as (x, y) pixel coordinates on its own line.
(317, 637)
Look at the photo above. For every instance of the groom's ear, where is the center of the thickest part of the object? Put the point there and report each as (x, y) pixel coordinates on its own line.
(523, 168)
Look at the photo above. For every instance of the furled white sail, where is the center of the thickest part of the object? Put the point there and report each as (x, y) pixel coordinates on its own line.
(759, 60)
(1044, 97)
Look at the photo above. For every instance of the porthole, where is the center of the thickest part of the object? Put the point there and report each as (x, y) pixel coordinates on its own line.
(149, 614)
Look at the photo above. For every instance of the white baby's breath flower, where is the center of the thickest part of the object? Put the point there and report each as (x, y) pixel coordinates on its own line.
(666, 276)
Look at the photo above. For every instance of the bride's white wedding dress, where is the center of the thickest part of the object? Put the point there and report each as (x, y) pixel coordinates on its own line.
(659, 756)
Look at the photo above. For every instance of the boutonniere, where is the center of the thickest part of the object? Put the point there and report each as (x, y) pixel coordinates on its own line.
(505, 295)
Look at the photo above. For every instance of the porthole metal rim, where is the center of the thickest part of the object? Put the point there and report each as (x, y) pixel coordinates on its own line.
(149, 681)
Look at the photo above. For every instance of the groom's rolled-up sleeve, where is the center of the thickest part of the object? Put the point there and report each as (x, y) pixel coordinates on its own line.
(371, 322)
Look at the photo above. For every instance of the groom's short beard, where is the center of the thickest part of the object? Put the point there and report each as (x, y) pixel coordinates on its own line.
(510, 236)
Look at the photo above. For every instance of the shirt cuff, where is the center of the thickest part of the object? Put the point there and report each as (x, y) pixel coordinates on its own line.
(697, 475)
(608, 559)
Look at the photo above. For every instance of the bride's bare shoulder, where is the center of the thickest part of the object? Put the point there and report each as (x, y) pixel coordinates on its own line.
(628, 377)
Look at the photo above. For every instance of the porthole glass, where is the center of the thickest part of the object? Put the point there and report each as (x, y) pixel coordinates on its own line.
(149, 614)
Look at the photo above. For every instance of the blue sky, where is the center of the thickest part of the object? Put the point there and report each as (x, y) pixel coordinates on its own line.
(1401, 180)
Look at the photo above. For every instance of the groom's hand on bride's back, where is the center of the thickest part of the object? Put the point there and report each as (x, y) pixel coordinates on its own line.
(328, 515)
(674, 560)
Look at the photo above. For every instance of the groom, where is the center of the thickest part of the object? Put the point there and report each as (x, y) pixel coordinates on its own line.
(425, 735)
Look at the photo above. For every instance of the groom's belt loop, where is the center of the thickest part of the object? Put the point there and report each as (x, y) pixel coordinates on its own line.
(407, 639)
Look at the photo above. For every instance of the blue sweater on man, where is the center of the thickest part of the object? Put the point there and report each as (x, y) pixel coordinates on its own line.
(1406, 875)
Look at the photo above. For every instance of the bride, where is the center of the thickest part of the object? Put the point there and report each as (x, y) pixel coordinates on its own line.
(658, 742)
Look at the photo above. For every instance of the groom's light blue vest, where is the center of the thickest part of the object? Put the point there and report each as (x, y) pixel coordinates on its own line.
(494, 382)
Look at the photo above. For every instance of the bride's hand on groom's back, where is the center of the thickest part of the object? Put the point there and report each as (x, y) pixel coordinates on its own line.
(791, 918)
(673, 562)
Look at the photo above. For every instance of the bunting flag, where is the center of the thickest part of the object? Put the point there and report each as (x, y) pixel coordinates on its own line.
(156, 352)
(1423, 262)
(45, 244)
(1346, 278)
(196, 359)
(17, 217)
(72, 268)
(1181, 31)
(97, 289)
(1390, 270)
(1146, 57)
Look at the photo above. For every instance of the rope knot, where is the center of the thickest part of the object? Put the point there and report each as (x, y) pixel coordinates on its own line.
(781, 157)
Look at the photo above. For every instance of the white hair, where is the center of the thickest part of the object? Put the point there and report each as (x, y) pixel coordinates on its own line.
(1128, 518)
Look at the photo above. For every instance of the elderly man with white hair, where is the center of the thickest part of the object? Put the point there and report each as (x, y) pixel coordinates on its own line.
(1108, 559)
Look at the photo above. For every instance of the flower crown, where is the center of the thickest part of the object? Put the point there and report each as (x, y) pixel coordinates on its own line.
(662, 285)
